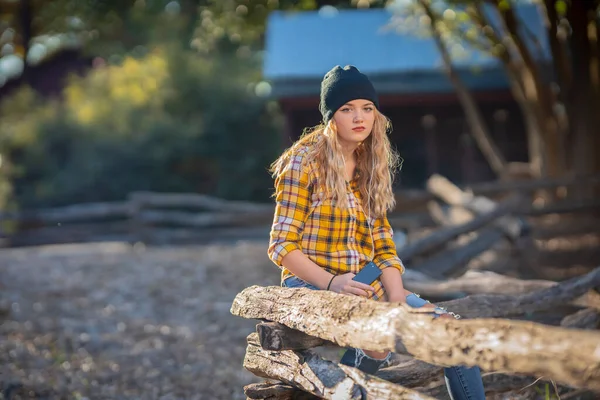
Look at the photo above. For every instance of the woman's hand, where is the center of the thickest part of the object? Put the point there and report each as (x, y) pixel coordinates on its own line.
(345, 284)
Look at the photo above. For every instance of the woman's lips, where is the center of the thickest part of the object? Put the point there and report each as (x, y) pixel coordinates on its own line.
(358, 129)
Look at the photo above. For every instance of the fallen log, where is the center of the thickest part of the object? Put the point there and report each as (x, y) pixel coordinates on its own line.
(276, 391)
(203, 220)
(85, 212)
(198, 201)
(588, 318)
(475, 282)
(309, 372)
(565, 355)
(444, 235)
(453, 195)
(485, 282)
(579, 226)
(415, 373)
(454, 262)
(496, 305)
(562, 207)
(276, 337)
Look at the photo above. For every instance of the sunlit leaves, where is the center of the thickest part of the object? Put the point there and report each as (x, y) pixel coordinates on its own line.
(114, 91)
(453, 21)
(561, 7)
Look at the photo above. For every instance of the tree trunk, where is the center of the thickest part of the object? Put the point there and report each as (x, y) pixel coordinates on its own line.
(477, 124)
(585, 96)
(541, 96)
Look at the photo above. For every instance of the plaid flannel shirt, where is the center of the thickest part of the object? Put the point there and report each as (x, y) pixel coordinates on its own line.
(337, 240)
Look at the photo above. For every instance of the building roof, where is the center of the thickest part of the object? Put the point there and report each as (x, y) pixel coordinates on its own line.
(301, 47)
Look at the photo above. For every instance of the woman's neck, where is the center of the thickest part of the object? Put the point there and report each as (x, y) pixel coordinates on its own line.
(349, 153)
(350, 165)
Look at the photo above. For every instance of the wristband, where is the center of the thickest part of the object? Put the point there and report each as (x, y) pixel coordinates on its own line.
(328, 286)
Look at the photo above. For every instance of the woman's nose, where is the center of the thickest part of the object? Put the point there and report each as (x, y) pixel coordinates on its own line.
(358, 117)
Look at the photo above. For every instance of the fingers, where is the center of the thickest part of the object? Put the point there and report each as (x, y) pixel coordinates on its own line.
(349, 286)
(363, 286)
(358, 288)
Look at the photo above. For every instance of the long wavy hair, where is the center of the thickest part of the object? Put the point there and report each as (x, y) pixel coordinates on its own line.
(377, 163)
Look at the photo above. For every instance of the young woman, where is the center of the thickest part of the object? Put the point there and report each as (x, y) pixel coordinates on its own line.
(333, 189)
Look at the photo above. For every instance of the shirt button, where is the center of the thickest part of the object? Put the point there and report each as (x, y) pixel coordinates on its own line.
(352, 240)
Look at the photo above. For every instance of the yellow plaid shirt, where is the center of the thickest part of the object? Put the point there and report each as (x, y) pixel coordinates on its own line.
(337, 240)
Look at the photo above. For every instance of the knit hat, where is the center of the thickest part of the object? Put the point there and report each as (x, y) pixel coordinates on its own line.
(341, 85)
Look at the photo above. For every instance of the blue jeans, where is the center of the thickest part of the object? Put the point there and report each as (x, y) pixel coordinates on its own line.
(463, 383)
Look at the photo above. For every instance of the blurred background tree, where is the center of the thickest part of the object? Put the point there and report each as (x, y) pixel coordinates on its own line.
(172, 98)
(555, 80)
(173, 102)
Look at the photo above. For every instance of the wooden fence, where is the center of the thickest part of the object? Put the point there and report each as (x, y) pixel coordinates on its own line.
(164, 218)
(513, 354)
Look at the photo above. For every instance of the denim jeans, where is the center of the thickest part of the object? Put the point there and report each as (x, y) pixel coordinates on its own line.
(463, 383)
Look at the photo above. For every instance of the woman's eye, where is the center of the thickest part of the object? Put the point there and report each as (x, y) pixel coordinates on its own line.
(345, 109)
(369, 109)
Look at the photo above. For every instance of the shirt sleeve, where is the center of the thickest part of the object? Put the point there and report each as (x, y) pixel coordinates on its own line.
(292, 197)
(385, 248)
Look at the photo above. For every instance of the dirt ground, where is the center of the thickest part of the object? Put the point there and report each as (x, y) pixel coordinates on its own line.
(114, 321)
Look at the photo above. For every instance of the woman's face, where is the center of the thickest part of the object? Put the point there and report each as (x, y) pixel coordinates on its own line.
(354, 122)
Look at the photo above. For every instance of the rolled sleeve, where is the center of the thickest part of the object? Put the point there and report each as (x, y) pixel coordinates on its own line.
(292, 196)
(385, 247)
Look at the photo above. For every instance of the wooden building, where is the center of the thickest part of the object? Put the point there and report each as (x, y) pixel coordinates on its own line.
(430, 129)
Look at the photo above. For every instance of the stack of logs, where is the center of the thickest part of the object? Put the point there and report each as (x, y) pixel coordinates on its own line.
(514, 354)
(523, 333)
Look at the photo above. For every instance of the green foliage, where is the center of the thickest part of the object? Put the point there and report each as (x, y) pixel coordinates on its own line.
(169, 121)
(173, 104)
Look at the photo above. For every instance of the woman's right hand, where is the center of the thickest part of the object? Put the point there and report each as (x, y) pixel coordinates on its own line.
(344, 284)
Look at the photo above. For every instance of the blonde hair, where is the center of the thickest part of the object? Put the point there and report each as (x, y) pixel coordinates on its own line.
(376, 164)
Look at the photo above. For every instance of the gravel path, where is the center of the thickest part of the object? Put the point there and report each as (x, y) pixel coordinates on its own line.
(111, 321)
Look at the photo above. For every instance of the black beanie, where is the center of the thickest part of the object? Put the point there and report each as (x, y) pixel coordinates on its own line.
(341, 85)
